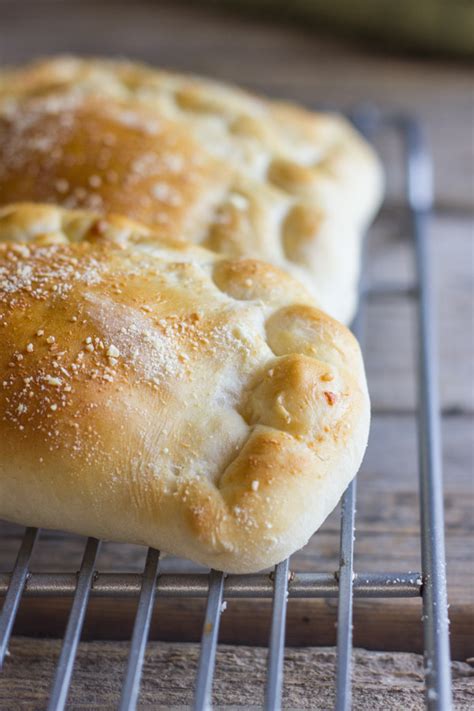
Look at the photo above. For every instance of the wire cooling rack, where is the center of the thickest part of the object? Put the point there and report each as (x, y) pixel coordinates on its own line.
(342, 584)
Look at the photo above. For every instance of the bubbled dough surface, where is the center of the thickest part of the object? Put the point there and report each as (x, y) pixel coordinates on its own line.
(177, 399)
(198, 160)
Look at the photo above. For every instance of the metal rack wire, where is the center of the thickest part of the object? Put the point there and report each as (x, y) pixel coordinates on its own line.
(343, 584)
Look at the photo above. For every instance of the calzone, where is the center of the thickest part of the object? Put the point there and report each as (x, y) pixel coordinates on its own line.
(166, 395)
(197, 160)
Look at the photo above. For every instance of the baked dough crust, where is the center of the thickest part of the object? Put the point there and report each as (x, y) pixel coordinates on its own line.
(172, 397)
(198, 160)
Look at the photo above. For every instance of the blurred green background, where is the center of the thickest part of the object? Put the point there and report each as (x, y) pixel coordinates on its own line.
(424, 26)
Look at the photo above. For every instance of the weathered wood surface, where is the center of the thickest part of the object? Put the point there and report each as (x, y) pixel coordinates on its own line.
(382, 682)
(302, 66)
(277, 59)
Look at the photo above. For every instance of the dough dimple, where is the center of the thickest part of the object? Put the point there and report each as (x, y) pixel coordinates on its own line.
(293, 178)
(300, 230)
(250, 280)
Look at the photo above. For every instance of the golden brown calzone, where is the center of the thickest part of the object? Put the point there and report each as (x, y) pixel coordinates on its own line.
(167, 395)
(197, 160)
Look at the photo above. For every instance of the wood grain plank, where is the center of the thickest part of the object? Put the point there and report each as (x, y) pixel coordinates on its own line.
(381, 626)
(382, 682)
